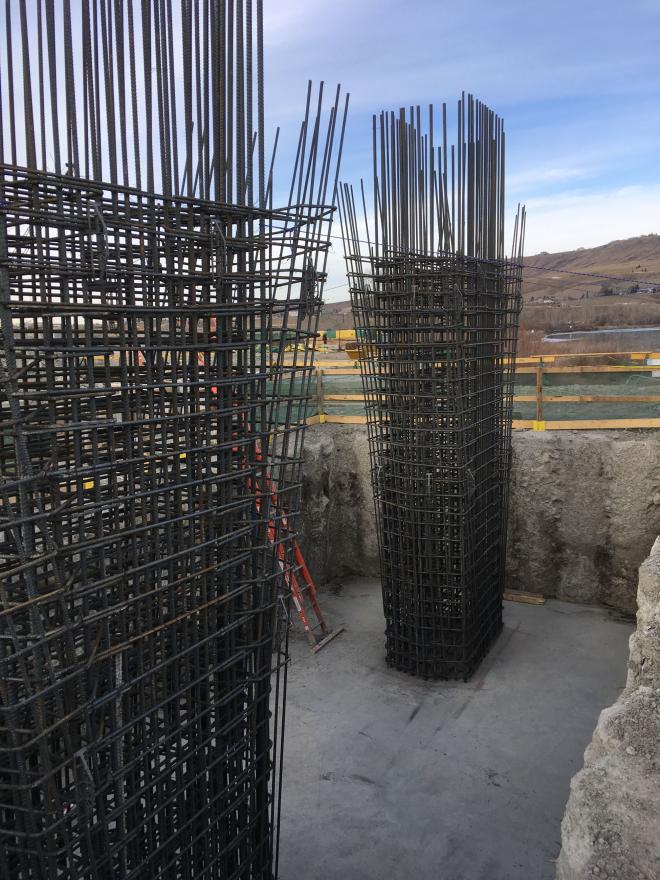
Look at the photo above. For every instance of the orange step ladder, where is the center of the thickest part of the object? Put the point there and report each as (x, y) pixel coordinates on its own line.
(297, 576)
(298, 579)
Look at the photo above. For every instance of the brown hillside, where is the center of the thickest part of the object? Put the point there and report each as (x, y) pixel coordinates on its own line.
(631, 258)
(625, 262)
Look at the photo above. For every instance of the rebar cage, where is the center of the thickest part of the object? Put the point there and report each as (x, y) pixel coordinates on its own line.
(139, 588)
(436, 307)
(440, 336)
(155, 358)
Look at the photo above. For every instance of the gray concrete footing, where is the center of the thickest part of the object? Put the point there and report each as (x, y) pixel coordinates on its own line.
(390, 777)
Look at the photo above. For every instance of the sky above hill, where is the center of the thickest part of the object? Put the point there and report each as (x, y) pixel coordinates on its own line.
(577, 83)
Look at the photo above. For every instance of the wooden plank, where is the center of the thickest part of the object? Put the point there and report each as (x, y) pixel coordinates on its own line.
(558, 355)
(526, 424)
(527, 598)
(602, 398)
(343, 362)
(589, 398)
(549, 398)
(597, 368)
(549, 358)
(600, 424)
(539, 394)
(346, 420)
(319, 395)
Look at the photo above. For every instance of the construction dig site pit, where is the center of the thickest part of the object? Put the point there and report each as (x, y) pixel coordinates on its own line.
(159, 308)
(390, 775)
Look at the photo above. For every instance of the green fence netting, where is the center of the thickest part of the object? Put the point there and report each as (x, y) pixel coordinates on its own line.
(624, 384)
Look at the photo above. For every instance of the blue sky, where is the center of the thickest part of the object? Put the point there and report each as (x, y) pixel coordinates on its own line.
(578, 85)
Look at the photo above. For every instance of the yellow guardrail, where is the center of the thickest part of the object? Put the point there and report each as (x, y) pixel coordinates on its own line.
(358, 351)
(540, 398)
(354, 356)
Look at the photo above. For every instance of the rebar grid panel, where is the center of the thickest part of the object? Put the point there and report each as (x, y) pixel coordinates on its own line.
(154, 376)
(439, 330)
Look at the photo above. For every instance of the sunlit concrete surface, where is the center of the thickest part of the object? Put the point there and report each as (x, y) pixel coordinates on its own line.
(391, 778)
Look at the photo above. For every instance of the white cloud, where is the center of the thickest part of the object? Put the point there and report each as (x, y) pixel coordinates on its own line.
(559, 222)
(580, 105)
(535, 176)
(572, 219)
(285, 21)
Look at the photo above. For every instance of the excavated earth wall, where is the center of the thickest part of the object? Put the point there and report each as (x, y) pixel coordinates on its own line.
(611, 828)
(585, 508)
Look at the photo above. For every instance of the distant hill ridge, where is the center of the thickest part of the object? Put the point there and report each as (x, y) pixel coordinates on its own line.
(630, 258)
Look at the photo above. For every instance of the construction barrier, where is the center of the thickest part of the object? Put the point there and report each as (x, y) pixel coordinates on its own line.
(547, 394)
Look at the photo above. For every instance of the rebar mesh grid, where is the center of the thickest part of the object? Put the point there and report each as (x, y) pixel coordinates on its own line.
(439, 332)
(154, 374)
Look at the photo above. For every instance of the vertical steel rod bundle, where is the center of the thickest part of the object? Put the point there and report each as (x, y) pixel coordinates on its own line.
(155, 317)
(436, 305)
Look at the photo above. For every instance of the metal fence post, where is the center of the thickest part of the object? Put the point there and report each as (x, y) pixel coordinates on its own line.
(539, 424)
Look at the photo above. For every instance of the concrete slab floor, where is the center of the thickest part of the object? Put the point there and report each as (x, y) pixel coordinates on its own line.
(390, 777)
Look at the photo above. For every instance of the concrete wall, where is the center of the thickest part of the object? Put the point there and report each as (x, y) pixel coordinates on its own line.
(611, 828)
(585, 508)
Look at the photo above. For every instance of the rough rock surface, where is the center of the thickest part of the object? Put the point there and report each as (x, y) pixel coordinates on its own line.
(337, 530)
(585, 507)
(644, 664)
(612, 821)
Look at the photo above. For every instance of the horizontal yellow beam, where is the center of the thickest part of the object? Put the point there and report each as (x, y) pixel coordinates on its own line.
(520, 596)
(346, 420)
(322, 364)
(589, 398)
(549, 358)
(114, 358)
(523, 424)
(600, 424)
(597, 368)
(550, 398)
